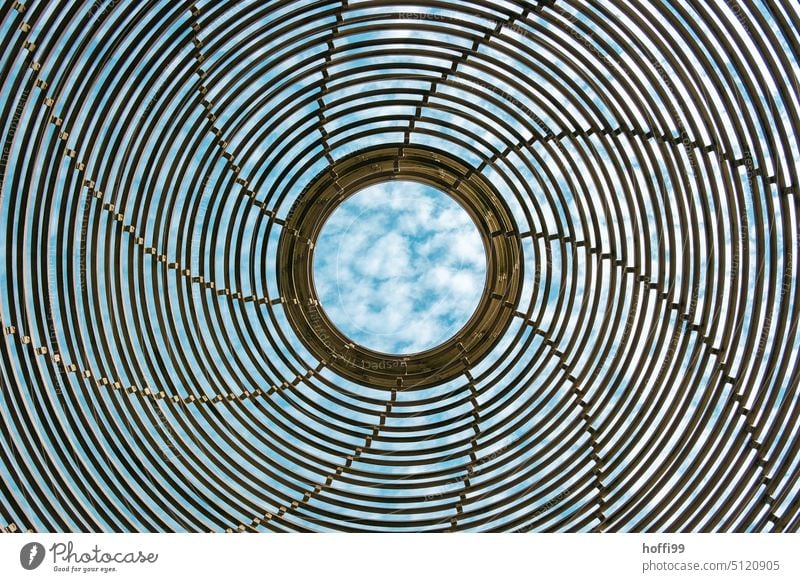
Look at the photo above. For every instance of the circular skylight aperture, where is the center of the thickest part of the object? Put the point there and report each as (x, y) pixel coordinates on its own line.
(399, 267)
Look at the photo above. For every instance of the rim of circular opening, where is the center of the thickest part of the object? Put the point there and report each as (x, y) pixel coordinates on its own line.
(503, 278)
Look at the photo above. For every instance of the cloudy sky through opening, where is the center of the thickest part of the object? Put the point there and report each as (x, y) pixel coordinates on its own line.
(399, 267)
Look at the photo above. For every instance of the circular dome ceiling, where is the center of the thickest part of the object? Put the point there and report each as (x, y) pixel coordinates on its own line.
(631, 168)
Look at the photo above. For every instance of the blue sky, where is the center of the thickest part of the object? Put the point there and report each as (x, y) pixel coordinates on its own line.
(398, 268)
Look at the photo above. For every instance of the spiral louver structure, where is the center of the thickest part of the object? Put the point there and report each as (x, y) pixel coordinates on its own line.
(631, 168)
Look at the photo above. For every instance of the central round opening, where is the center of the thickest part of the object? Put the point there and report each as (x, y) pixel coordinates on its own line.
(399, 267)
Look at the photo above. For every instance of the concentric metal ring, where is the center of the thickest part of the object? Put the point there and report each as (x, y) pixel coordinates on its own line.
(154, 376)
(455, 356)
